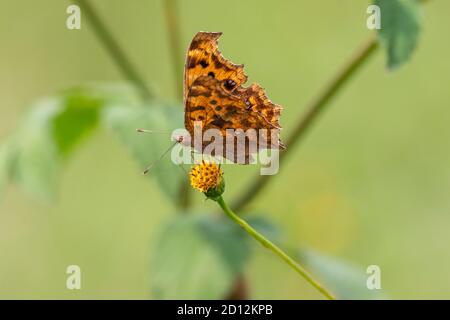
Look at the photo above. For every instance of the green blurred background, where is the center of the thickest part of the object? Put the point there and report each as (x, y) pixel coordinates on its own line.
(369, 185)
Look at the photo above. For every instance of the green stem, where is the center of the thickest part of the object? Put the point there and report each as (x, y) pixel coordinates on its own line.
(274, 248)
(173, 28)
(111, 45)
(316, 107)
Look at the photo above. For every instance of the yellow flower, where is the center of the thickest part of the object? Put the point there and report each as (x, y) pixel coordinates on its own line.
(207, 177)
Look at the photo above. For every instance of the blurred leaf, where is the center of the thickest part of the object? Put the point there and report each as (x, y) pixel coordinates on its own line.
(4, 169)
(264, 226)
(80, 110)
(78, 116)
(345, 280)
(198, 257)
(36, 163)
(50, 131)
(149, 148)
(400, 27)
(6, 160)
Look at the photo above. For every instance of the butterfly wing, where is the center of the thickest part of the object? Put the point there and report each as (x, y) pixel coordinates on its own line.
(214, 95)
(217, 108)
(204, 58)
(245, 108)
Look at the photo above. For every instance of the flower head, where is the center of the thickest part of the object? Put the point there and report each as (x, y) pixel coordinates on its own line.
(207, 177)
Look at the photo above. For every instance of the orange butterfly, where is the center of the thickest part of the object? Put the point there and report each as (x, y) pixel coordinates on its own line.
(215, 98)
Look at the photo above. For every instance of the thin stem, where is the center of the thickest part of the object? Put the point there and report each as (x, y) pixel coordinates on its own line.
(312, 112)
(111, 45)
(274, 248)
(173, 27)
(321, 101)
(239, 290)
(184, 195)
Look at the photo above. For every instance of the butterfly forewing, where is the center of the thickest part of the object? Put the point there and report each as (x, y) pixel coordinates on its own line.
(215, 96)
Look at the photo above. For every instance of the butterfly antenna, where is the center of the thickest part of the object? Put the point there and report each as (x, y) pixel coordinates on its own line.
(152, 131)
(160, 158)
(192, 155)
(182, 168)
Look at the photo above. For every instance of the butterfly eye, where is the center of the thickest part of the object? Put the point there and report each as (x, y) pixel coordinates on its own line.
(248, 104)
(229, 84)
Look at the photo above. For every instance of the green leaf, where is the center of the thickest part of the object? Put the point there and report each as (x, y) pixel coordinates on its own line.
(149, 148)
(345, 280)
(36, 163)
(51, 130)
(400, 27)
(80, 111)
(198, 257)
(78, 116)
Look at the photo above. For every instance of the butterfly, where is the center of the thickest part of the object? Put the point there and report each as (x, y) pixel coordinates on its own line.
(214, 96)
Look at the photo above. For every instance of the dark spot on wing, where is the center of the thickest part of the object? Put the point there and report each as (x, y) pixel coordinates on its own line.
(229, 84)
(197, 91)
(246, 123)
(222, 94)
(191, 63)
(248, 104)
(219, 122)
(218, 108)
(211, 74)
(213, 102)
(197, 108)
(230, 108)
(204, 64)
(216, 62)
(194, 44)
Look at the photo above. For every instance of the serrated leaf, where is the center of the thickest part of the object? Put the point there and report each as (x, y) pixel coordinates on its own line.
(148, 148)
(198, 257)
(400, 27)
(345, 280)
